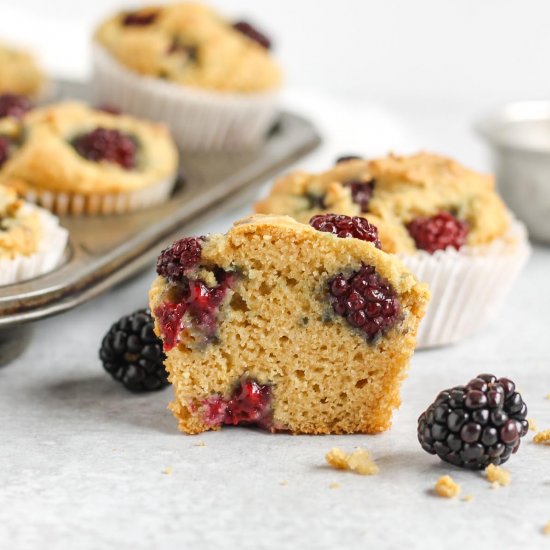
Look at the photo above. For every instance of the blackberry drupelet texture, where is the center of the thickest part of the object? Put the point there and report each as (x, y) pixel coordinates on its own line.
(175, 261)
(475, 425)
(366, 300)
(107, 144)
(346, 226)
(132, 353)
(438, 232)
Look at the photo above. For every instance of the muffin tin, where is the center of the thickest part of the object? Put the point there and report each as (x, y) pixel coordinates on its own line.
(103, 251)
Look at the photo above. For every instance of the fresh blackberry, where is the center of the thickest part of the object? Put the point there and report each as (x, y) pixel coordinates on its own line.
(14, 105)
(107, 144)
(345, 226)
(361, 193)
(175, 261)
(475, 425)
(366, 300)
(253, 33)
(438, 232)
(132, 354)
(345, 158)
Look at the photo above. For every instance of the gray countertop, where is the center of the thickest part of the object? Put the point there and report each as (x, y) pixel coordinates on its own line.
(85, 464)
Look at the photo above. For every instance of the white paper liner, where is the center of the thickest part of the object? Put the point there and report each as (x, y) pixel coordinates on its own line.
(468, 287)
(48, 256)
(198, 119)
(77, 204)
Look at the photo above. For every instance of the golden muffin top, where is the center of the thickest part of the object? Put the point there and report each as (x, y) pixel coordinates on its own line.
(71, 147)
(189, 44)
(409, 198)
(19, 72)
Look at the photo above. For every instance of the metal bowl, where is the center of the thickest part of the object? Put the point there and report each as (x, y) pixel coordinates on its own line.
(519, 137)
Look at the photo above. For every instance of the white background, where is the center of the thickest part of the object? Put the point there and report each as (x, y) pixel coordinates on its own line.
(483, 49)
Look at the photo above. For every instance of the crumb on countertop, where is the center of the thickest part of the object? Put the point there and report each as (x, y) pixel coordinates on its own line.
(532, 425)
(497, 476)
(546, 528)
(446, 487)
(542, 438)
(284, 482)
(334, 486)
(547, 396)
(168, 471)
(359, 461)
(468, 498)
(200, 444)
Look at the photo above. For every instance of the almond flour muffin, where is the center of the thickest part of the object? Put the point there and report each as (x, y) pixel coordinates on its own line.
(31, 241)
(213, 82)
(258, 328)
(445, 221)
(19, 73)
(73, 159)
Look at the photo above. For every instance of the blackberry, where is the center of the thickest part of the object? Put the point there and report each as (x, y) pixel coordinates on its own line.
(248, 404)
(107, 144)
(345, 226)
(345, 158)
(366, 300)
(175, 261)
(253, 33)
(438, 232)
(140, 18)
(475, 425)
(361, 193)
(132, 353)
(14, 105)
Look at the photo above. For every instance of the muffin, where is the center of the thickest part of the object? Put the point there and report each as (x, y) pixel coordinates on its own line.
(445, 221)
(256, 329)
(31, 240)
(213, 82)
(19, 73)
(73, 159)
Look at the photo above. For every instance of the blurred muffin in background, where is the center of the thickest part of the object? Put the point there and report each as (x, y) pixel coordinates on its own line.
(31, 240)
(20, 73)
(446, 222)
(73, 159)
(212, 81)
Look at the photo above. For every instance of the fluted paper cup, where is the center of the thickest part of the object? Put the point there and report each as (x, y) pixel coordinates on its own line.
(48, 256)
(468, 286)
(93, 204)
(200, 120)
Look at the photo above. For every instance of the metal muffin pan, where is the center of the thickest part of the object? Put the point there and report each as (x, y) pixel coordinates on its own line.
(104, 251)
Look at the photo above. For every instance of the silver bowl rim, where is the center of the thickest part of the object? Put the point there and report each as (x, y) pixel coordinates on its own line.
(517, 111)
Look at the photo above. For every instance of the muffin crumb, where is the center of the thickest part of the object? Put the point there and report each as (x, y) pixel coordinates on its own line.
(446, 487)
(497, 476)
(546, 528)
(168, 471)
(359, 461)
(200, 444)
(532, 425)
(334, 486)
(284, 482)
(468, 498)
(542, 438)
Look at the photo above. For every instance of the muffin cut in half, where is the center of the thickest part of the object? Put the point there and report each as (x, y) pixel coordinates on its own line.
(286, 327)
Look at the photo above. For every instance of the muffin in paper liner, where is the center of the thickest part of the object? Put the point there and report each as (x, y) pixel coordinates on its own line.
(468, 286)
(198, 119)
(48, 256)
(94, 204)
